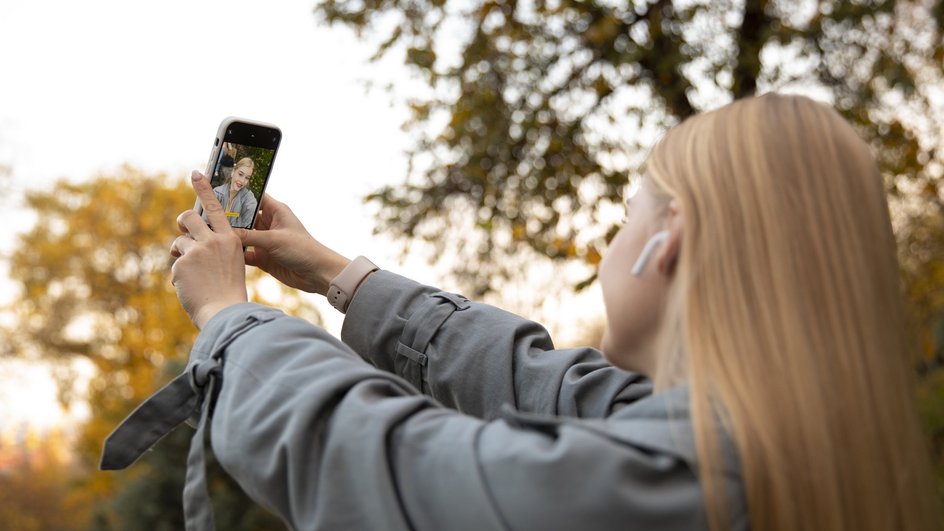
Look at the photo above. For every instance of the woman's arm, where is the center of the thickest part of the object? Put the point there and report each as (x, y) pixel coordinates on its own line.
(328, 442)
(474, 357)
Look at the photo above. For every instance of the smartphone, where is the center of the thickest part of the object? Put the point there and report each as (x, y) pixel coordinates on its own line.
(239, 167)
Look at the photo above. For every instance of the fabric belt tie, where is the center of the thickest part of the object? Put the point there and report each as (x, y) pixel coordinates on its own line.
(190, 395)
(187, 395)
(198, 511)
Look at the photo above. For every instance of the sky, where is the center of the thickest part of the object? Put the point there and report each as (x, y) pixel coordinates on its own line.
(88, 86)
(91, 85)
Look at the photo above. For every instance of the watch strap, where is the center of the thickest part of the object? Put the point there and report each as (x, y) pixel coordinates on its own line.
(342, 288)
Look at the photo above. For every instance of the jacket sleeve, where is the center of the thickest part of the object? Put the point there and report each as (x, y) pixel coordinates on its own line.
(248, 209)
(474, 357)
(329, 442)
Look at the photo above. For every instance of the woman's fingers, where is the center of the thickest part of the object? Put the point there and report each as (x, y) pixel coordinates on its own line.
(267, 208)
(211, 206)
(256, 238)
(182, 244)
(270, 202)
(191, 223)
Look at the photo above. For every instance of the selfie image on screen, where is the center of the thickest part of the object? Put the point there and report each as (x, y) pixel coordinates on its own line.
(238, 181)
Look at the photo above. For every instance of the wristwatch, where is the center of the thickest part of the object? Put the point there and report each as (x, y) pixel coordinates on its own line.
(342, 288)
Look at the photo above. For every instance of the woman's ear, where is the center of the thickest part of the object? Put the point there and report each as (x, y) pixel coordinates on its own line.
(668, 254)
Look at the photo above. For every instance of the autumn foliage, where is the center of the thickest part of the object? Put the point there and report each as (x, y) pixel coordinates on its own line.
(95, 274)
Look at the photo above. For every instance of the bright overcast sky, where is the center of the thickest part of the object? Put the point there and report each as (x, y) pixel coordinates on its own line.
(86, 86)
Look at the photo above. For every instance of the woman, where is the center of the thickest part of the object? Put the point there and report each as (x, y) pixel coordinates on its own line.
(754, 282)
(235, 195)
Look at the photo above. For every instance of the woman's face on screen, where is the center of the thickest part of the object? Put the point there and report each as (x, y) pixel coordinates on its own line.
(240, 178)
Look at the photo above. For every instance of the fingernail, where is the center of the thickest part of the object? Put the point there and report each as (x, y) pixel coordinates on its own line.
(195, 175)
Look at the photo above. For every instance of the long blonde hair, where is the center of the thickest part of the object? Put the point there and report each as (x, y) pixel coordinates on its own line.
(790, 321)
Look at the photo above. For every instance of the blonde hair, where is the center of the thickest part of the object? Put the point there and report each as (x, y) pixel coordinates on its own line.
(245, 162)
(790, 322)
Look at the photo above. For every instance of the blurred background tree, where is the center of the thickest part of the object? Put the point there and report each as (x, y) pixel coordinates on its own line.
(531, 115)
(528, 117)
(36, 476)
(95, 273)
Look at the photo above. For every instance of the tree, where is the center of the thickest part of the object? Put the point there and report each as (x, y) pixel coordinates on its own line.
(35, 476)
(534, 113)
(531, 115)
(95, 273)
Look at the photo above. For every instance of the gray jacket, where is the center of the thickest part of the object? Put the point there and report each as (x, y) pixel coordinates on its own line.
(244, 205)
(463, 417)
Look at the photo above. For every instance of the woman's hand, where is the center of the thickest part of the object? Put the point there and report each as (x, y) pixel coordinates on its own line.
(283, 248)
(209, 273)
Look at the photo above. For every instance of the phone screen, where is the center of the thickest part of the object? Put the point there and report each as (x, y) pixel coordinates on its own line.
(242, 170)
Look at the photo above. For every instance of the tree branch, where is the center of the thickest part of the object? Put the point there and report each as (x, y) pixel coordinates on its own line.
(750, 40)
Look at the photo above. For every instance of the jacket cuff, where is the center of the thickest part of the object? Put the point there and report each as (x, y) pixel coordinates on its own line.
(380, 309)
(224, 324)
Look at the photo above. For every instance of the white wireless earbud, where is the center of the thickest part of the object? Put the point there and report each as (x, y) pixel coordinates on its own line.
(656, 239)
